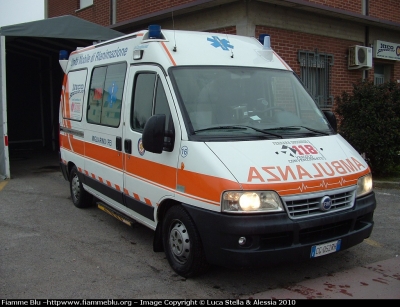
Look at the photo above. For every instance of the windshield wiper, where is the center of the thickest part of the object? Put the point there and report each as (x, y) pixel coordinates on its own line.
(241, 127)
(298, 127)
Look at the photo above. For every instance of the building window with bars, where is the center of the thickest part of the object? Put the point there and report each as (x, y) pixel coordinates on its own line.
(382, 73)
(315, 73)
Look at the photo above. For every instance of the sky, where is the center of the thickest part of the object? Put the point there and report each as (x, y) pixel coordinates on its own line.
(20, 11)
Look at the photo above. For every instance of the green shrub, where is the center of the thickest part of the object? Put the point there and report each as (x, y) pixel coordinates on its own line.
(369, 119)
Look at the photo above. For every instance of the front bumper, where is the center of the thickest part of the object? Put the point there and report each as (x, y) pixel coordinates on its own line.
(275, 238)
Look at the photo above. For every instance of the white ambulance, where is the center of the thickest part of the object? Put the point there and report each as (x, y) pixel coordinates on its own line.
(211, 141)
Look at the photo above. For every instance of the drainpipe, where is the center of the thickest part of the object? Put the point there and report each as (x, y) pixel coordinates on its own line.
(113, 12)
(365, 11)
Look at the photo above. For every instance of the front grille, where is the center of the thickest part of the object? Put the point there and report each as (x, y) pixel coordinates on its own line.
(308, 205)
(324, 232)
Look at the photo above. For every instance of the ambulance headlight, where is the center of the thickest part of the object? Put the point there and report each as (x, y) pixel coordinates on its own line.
(251, 202)
(364, 185)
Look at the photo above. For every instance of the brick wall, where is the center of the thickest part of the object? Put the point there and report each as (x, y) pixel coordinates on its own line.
(396, 73)
(287, 43)
(61, 7)
(128, 9)
(387, 9)
(100, 11)
(348, 5)
(224, 30)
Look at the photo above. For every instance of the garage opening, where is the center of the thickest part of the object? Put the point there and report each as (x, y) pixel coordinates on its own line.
(30, 83)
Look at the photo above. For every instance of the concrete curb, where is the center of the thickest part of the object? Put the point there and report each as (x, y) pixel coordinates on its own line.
(386, 184)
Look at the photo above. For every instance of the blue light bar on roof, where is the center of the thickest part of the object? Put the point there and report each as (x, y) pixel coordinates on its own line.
(154, 32)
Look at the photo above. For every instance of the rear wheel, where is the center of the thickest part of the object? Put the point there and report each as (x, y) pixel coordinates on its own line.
(79, 196)
(182, 244)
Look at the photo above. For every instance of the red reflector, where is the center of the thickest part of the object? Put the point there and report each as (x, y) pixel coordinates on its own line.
(6, 140)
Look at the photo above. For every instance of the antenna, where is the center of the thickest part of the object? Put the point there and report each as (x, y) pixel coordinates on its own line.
(173, 27)
(228, 42)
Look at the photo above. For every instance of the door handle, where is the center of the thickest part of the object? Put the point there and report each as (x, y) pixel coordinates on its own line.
(118, 143)
(128, 146)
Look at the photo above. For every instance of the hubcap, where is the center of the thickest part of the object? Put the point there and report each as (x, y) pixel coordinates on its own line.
(179, 242)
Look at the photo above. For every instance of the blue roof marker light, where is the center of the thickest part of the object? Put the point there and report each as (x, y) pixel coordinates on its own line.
(265, 39)
(63, 55)
(267, 52)
(155, 32)
(63, 59)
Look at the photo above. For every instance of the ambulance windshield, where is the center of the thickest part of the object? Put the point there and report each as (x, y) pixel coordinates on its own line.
(218, 97)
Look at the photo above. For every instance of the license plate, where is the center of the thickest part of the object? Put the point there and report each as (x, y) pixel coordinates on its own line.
(324, 249)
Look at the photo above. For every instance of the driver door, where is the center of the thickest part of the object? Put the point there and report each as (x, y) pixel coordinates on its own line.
(148, 177)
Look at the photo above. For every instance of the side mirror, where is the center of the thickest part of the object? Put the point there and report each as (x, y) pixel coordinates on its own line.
(331, 119)
(153, 133)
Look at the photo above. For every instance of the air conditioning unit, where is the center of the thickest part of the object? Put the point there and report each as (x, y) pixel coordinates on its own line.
(360, 57)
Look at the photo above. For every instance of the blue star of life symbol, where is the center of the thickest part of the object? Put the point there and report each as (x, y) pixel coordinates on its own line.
(112, 94)
(218, 42)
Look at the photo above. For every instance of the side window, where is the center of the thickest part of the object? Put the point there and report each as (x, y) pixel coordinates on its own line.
(105, 95)
(74, 93)
(142, 100)
(96, 95)
(162, 105)
(148, 99)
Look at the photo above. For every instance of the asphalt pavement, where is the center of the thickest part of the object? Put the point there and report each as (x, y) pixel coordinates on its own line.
(380, 280)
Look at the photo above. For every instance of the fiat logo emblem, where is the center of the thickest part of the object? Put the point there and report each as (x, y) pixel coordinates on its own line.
(326, 203)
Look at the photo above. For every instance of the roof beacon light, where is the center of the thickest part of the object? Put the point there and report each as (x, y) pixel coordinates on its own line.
(63, 55)
(154, 32)
(267, 42)
(267, 51)
(63, 59)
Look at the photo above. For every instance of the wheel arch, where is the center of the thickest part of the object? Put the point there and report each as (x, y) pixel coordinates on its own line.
(163, 207)
(70, 165)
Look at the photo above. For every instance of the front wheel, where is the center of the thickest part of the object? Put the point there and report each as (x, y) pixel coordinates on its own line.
(182, 243)
(79, 196)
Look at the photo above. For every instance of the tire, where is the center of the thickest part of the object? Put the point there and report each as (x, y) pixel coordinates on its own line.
(182, 244)
(80, 198)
